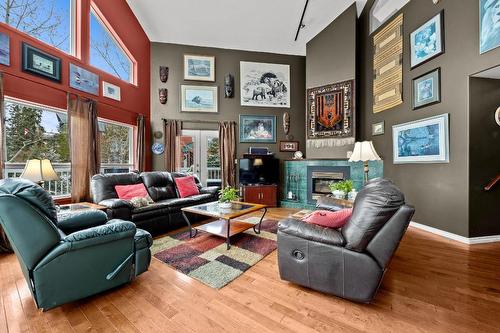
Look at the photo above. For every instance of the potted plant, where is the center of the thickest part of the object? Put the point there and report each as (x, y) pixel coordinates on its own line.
(226, 196)
(340, 189)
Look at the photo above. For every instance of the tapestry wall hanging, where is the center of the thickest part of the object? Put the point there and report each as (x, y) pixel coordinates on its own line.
(331, 115)
(388, 66)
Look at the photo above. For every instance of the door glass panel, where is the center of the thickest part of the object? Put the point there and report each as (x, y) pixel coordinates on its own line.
(186, 153)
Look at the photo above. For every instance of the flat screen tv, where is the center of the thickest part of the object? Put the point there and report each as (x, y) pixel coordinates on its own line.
(259, 171)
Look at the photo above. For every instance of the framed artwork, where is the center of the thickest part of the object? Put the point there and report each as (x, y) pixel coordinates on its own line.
(422, 141)
(199, 99)
(199, 68)
(257, 129)
(427, 42)
(331, 114)
(266, 85)
(111, 91)
(489, 30)
(4, 49)
(388, 66)
(84, 80)
(40, 63)
(289, 146)
(426, 89)
(378, 128)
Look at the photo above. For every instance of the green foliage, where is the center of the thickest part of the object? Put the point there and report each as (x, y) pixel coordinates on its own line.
(228, 194)
(213, 158)
(345, 186)
(114, 143)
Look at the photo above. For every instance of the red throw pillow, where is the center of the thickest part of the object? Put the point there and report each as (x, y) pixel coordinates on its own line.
(128, 192)
(186, 186)
(326, 218)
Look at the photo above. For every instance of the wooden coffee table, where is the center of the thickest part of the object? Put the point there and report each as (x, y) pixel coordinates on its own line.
(226, 224)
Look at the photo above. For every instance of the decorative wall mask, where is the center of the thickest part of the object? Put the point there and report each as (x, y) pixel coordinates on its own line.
(163, 74)
(158, 134)
(228, 86)
(163, 93)
(286, 123)
(497, 116)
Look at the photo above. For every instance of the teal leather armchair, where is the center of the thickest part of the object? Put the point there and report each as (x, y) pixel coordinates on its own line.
(71, 257)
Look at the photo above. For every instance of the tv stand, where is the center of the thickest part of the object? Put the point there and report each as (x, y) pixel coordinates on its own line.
(260, 194)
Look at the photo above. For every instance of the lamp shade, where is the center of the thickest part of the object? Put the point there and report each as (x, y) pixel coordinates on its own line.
(364, 151)
(39, 171)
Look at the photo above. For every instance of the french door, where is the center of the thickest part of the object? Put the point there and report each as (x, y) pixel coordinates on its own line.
(199, 154)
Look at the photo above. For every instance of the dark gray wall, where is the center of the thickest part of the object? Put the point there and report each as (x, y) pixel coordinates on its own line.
(484, 153)
(440, 192)
(330, 58)
(226, 61)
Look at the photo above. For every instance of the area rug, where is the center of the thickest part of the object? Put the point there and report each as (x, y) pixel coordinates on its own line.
(206, 259)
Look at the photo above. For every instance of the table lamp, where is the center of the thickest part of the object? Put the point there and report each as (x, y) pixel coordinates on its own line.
(39, 171)
(364, 151)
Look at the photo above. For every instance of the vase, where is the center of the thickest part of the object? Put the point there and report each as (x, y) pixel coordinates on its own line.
(337, 194)
(225, 205)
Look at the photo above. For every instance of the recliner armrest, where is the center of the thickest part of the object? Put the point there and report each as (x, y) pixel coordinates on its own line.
(311, 232)
(213, 190)
(116, 203)
(102, 234)
(77, 220)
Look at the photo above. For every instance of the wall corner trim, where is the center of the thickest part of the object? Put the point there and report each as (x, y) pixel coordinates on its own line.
(455, 237)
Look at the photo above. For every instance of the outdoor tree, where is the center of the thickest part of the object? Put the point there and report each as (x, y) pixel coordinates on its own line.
(213, 158)
(114, 144)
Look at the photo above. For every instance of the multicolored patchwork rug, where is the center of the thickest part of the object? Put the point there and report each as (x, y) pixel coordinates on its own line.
(206, 259)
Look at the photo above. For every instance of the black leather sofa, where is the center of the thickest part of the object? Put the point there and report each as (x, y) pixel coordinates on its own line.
(349, 262)
(164, 214)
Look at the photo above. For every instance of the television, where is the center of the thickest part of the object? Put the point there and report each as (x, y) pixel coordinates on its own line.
(259, 170)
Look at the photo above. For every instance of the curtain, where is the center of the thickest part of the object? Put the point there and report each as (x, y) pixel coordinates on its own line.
(4, 242)
(171, 130)
(227, 151)
(83, 137)
(140, 155)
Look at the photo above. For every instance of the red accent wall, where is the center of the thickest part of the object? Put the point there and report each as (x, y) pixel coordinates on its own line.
(135, 98)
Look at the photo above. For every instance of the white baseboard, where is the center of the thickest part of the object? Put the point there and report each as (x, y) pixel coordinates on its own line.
(455, 237)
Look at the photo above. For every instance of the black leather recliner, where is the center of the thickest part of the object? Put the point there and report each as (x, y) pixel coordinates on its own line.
(350, 262)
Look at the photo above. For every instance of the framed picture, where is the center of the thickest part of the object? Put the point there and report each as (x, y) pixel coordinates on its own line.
(111, 91)
(489, 30)
(427, 42)
(199, 99)
(378, 128)
(40, 63)
(422, 141)
(266, 85)
(289, 146)
(199, 68)
(257, 129)
(426, 89)
(4, 49)
(83, 80)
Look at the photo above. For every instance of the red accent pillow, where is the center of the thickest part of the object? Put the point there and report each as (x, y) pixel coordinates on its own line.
(329, 219)
(128, 192)
(186, 186)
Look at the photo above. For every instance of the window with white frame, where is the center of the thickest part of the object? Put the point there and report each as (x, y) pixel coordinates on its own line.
(116, 146)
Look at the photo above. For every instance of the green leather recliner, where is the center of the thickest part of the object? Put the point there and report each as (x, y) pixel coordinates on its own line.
(71, 257)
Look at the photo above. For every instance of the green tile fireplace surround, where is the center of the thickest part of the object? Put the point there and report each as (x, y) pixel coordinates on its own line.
(298, 173)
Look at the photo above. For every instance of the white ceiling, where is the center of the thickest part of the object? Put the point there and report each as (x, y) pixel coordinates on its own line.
(492, 73)
(257, 25)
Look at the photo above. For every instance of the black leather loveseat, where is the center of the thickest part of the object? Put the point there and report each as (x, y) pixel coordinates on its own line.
(164, 214)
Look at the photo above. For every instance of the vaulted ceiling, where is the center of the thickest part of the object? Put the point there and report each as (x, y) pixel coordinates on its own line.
(257, 25)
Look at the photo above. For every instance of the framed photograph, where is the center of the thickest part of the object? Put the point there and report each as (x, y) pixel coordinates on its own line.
(111, 91)
(4, 49)
(289, 146)
(199, 68)
(266, 85)
(489, 30)
(83, 80)
(426, 89)
(199, 99)
(427, 42)
(378, 128)
(257, 129)
(40, 63)
(422, 141)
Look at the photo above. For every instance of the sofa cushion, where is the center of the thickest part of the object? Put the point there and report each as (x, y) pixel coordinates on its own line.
(329, 219)
(186, 186)
(178, 203)
(128, 192)
(103, 185)
(160, 185)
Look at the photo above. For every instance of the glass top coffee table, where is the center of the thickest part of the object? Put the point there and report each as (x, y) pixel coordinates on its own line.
(226, 224)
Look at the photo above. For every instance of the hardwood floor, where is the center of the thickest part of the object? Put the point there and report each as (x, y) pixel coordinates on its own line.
(432, 285)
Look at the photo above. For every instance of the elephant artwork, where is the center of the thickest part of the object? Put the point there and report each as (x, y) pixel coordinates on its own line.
(228, 86)
(163, 74)
(163, 94)
(259, 91)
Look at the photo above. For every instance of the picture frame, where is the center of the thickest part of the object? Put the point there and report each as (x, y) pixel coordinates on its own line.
(426, 89)
(378, 128)
(84, 80)
(203, 99)
(289, 146)
(489, 32)
(264, 84)
(40, 63)
(422, 141)
(199, 68)
(4, 49)
(257, 129)
(110, 90)
(427, 41)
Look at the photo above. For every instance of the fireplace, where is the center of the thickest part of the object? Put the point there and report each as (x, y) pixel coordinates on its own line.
(320, 177)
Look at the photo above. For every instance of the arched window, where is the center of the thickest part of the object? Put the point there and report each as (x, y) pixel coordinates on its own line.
(382, 10)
